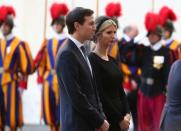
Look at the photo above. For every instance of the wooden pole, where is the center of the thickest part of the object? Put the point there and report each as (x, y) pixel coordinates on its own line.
(97, 8)
(45, 19)
(153, 5)
(44, 36)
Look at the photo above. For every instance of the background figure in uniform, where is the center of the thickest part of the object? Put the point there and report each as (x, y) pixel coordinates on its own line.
(154, 62)
(81, 109)
(113, 10)
(2, 109)
(168, 16)
(131, 73)
(171, 115)
(109, 77)
(45, 63)
(16, 63)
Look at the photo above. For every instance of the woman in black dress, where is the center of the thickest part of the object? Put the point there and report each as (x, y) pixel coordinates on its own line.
(109, 77)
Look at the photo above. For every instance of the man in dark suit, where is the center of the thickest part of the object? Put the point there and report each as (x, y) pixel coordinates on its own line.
(80, 106)
(171, 115)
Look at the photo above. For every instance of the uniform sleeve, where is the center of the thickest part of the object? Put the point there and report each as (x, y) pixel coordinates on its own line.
(26, 64)
(30, 65)
(177, 53)
(130, 53)
(167, 66)
(40, 62)
(25, 59)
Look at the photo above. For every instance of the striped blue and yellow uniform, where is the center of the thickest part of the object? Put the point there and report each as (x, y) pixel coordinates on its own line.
(174, 45)
(47, 76)
(114, 50)
(15, 59)
(2, 109)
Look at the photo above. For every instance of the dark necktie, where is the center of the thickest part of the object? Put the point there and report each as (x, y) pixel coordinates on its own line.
(86, 58)
(83, 51)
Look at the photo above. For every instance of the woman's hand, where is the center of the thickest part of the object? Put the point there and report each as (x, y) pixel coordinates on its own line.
(124, 124)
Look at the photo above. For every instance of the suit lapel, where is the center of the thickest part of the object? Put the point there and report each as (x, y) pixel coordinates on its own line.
(85, 64)
(75, 49)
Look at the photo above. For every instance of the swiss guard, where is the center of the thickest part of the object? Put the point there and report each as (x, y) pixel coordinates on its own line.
(45, 64)
(15, 64)
(168, 17)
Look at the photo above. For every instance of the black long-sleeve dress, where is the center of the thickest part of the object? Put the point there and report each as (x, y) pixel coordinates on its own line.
(109, 82)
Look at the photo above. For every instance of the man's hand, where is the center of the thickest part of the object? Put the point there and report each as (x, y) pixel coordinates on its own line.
(104, 126)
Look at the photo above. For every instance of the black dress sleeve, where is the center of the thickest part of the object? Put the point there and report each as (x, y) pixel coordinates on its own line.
(122, 93)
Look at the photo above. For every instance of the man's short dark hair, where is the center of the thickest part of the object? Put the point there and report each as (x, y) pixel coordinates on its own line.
(77, 15)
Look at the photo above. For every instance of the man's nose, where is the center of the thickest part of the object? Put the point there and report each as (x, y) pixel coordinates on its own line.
(94, 27)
